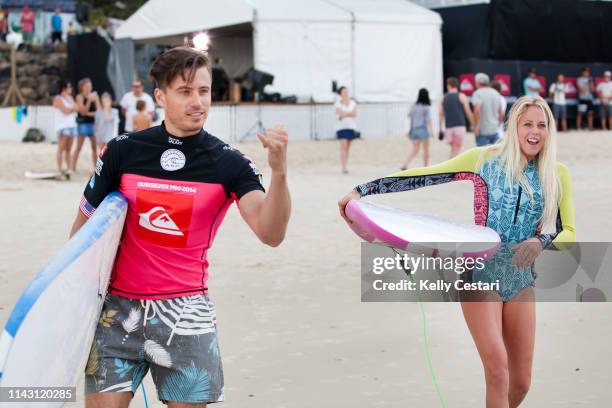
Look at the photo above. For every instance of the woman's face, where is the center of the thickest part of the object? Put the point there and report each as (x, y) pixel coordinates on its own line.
(532, 131)
(344, 93)
(106, 102)
(86, 88)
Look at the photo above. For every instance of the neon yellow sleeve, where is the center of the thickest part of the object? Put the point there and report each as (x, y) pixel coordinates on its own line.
(567, 235)
(423, 176)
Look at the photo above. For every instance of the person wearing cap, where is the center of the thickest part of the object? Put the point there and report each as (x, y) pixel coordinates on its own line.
(604, 93)
(531, 85)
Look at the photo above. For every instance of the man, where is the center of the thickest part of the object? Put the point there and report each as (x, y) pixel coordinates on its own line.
(604, 93)
(557, 92)
(27, 24)
(454, 108)
(585, 98)
(179, 181)
(56, 27)
(129, 100)
(531, 85)
(488, 114)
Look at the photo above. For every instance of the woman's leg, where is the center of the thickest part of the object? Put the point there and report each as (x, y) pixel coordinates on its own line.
(344, 148)
(426, 152)
(416, 146)
(484, 319)
(67, 152)
(61, 147)
(77, 152)
(519, 337)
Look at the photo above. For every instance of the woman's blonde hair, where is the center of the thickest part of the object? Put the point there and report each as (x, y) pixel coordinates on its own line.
(509, 151)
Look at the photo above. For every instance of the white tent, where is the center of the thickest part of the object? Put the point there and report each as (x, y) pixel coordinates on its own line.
(383, 50)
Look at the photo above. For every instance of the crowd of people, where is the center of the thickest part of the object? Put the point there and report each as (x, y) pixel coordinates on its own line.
(25, 25)
(484, 113)
(94, 117)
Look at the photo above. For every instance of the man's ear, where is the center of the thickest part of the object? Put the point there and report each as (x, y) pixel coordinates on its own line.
(160, 97)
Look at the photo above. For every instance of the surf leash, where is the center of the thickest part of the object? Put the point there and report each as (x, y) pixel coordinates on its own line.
(432, 373)
(144, 393)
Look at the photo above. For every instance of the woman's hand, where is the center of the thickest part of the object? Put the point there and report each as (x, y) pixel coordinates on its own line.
(526, 252)
(353, 195)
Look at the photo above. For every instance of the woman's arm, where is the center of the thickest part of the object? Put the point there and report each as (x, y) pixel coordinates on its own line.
(565, 233)
(57, 103)
(423, 176)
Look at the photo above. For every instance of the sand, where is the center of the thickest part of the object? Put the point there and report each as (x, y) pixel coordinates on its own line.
(293, 331)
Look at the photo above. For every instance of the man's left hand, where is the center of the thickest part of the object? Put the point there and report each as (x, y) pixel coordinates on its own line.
(275, 140)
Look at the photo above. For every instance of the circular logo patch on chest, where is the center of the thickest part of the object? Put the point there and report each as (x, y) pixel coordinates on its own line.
(172, 160)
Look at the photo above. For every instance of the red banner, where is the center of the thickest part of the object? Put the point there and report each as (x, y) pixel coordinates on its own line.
(504, 80)
(466, 84)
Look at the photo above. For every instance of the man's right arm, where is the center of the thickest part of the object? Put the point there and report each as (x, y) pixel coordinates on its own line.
(104, 181)
(78, 222)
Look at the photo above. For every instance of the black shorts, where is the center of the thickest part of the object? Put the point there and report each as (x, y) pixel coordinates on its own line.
(56, 36)
(585, 105)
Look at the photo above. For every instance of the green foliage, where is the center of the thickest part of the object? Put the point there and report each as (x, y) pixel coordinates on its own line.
(112, 8)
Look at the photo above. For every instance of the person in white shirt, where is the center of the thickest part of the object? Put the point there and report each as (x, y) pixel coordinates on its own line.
(346, 112)
(129, 100)
(65, 124)
(504, 105)
(557, 92)
(604, 93)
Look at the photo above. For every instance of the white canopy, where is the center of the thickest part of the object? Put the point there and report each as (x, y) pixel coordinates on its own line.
(383, 50)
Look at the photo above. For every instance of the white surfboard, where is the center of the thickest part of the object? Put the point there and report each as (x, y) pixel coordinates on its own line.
(49, 175)
(420, 233)
(48, 335)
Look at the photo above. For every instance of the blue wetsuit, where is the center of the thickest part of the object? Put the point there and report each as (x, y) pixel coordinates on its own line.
(504, 207)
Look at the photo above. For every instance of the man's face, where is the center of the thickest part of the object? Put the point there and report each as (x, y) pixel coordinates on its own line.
(586, 73)
(532, 75)
(607, 78)
(561, 79)
(186, 104)
(137, 88)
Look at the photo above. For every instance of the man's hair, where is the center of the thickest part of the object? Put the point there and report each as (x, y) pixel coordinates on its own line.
(496, 85)
(141, 105)
(482, 78)
(183, 61)
(532, 70)
(452, 81)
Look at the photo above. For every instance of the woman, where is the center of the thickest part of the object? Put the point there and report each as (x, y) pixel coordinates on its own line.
(420, 128)
(521, 170)
(65, 124)
(107, 120)
(88, 103)
(346, 112)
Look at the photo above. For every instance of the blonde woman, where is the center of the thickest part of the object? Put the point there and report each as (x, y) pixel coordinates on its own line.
(523, 193)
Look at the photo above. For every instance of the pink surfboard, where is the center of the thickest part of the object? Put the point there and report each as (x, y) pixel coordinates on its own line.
(420, 233)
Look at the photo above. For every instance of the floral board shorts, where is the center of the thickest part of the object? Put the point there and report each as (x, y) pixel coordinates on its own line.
(176, 339)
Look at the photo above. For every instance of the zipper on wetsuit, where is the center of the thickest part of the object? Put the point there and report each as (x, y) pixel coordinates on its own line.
(518, 204)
